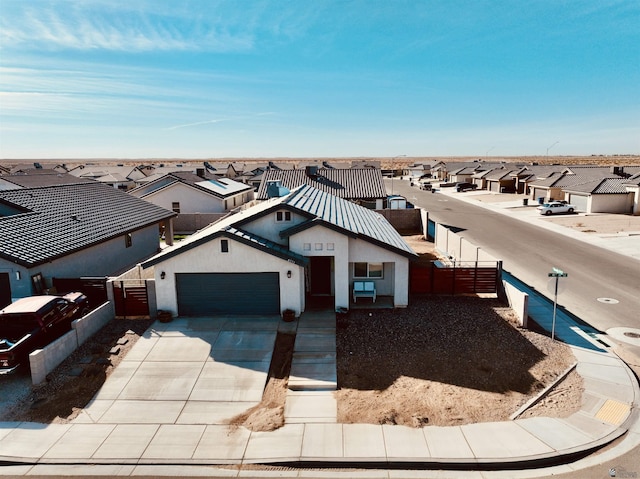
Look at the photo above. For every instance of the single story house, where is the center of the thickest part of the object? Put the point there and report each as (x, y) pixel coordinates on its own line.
(71, 231)
(607, 195)
(632, 185)
(500, 180)
(364, 186)
(281, 253)
(198, 198)
(36, 177)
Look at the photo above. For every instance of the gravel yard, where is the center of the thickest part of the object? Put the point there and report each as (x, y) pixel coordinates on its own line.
(442, 361)
(446, 361)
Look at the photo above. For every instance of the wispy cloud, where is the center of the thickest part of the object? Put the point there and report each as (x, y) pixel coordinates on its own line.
(198, 123)
(93, 26)
(218, 120)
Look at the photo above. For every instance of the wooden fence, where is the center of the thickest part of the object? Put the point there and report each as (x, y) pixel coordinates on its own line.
(438, 278)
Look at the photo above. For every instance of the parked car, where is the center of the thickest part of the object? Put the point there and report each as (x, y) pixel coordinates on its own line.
(426, 186)
(555, 207)
(33, 322)
(465, 187)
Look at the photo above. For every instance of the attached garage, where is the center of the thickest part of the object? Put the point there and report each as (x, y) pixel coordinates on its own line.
(202, 294)
(579, 201)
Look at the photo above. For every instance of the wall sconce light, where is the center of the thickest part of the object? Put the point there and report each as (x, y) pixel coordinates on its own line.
(289, 274)
(162, 275)
(18, 276)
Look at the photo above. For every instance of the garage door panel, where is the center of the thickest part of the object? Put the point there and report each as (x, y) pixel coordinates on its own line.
(228, 293)
(579, 201)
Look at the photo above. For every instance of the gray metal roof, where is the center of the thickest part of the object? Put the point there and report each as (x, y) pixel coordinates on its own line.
(348, 216)
(320, 208)
(63, 219)
(351, 184)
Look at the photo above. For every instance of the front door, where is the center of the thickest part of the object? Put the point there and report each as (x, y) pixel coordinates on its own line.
(5, 290)
(321, 275)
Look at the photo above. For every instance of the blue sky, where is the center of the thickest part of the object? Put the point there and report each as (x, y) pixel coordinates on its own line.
(303, 78)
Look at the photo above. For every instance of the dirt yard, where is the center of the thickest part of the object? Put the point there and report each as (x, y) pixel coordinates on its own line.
(447, 361)
(441, 361)
(72, 384)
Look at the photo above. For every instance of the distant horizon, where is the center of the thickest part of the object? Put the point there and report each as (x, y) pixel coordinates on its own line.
(323, 79)
(633, 158)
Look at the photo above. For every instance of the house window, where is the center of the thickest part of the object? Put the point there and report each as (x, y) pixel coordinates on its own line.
(330, 246)
(368, 270)
(224, 246)
(128, 240)
(318, 246)
(175, 206)
(307, 247)
(283, 216)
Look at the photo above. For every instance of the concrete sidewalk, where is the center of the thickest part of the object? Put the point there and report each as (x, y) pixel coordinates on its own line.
(118, 428)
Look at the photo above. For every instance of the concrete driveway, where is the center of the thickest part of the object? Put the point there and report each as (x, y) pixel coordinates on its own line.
(188, 371)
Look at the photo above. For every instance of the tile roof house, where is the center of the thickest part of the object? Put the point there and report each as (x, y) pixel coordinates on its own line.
(87, 229)
(590, 189)
(632, 184)
(606, 195)
(198, 198)
(364, 186)
(34, 178)
(120, 177)
(281, 253)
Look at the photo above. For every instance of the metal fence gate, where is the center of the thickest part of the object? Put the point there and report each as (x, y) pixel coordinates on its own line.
(131, 298)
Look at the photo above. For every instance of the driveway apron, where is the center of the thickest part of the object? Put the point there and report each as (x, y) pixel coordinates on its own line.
(189, 371)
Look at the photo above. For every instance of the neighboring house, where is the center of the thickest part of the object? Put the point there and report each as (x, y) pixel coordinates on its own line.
(364, 186)
(425, 169)
(608, 195)
(120, 177)
(34, 178)
(281, 253)
(198, 198)
(577, 179)
(500, 180)
(70, 231)
(463, 174)
(632, 185)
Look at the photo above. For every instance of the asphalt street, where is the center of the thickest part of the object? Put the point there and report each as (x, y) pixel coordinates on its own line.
(530, 252)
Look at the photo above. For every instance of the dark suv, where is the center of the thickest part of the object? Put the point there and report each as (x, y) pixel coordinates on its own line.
(33, 322)
(465, 187)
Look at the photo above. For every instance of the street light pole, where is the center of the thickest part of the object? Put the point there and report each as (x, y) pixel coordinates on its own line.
(549, 147)
(486, 154)
(556, 273)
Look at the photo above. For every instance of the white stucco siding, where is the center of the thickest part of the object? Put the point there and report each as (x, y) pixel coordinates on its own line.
(190, 199)
(396, 266)
(612, 203)
(322, 241)
(268, 227)
(208, 258)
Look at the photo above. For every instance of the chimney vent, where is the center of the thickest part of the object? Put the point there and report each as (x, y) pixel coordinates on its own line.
(200, 172)
(312, 172)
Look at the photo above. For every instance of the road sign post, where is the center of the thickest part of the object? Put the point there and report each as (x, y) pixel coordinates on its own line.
(557, 274)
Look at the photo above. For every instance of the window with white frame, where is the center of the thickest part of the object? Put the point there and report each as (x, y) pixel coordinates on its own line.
(368, 270)
(283, 216)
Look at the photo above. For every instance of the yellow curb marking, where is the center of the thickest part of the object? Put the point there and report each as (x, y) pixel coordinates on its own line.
(613, 412)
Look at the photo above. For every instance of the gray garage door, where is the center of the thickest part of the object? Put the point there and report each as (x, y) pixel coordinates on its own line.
(579, 201)
(228, 293)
